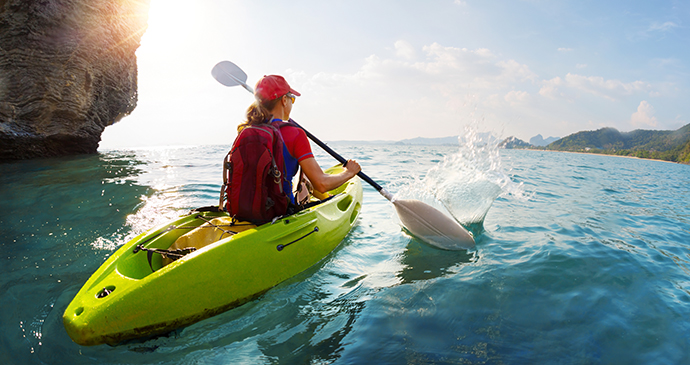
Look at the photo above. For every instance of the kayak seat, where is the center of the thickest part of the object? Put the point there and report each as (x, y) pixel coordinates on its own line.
(212, 231)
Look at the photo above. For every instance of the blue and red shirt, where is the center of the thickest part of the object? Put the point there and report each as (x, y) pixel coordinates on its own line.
(296, 148)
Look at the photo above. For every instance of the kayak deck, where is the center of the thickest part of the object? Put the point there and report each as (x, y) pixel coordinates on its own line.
(135, 294)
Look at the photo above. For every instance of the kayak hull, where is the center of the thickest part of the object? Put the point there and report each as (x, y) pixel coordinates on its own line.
(126, 299)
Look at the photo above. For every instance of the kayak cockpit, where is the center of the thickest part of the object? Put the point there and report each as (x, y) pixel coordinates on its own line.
(128, 297)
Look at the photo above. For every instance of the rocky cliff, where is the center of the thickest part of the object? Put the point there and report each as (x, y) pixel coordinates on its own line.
(67, 70)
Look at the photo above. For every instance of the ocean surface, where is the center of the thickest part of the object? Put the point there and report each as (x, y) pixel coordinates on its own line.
(580, 259)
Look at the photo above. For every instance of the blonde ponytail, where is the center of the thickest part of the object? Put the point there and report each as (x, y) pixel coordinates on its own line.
(258, 113)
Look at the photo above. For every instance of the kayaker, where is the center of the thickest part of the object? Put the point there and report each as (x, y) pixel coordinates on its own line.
(274, 101)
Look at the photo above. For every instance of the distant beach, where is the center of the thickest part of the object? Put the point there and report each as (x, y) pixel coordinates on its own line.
(605, 154)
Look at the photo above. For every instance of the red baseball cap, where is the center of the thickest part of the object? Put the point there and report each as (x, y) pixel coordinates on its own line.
(271, 87)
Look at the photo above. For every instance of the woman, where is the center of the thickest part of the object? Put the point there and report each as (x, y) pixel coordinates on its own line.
(274, 100)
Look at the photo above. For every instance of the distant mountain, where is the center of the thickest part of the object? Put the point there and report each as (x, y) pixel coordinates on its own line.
(358, 143)
(452, 140)
(419, 141)
(479, 138)
(513, 142)
(538, 140)
(663, 145)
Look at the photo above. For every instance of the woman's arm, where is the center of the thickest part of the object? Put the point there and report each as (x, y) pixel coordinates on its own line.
(324, 182)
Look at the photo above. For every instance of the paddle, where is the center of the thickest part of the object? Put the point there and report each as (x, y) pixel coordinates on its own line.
(419, 218)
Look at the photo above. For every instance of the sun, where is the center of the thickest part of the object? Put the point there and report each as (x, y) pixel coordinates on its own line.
(169, 20)
(177, 33)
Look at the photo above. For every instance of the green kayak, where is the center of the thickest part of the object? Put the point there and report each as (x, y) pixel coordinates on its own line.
(138, 292)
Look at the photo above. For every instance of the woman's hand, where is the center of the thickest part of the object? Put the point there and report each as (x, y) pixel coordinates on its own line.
(352, 167)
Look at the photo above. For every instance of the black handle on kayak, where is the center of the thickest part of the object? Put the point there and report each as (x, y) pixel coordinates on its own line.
(338, 157)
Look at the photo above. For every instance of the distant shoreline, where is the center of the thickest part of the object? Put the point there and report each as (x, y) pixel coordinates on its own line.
(601, 154)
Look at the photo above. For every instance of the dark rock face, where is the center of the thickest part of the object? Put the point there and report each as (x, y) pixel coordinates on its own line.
(67, 70)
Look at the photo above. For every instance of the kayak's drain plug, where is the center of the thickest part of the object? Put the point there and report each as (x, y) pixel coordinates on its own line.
(105, 292)
(281, 247)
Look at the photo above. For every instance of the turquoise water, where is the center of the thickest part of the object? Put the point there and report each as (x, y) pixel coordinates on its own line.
(579, 259)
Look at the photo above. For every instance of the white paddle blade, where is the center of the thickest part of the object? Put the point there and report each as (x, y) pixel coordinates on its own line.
(228, 74)
(432, 226)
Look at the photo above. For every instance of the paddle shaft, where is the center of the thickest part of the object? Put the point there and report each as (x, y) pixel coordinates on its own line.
(340, 159)
(222, 67)
(420, 219)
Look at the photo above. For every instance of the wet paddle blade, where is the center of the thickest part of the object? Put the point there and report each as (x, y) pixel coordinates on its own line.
(229, 74)
(432, 226)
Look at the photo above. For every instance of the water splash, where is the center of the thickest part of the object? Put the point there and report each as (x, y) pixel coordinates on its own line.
(466, 183)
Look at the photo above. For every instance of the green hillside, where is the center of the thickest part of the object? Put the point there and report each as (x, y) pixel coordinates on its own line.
(661, 145)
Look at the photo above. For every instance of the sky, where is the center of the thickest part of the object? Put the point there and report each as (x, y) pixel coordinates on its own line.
(393, 70)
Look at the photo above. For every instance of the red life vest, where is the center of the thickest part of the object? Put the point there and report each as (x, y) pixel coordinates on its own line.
(253, 175)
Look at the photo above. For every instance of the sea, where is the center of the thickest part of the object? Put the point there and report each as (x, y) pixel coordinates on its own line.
(579, 259)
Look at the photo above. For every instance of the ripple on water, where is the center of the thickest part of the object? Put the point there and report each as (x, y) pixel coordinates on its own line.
(592, 269)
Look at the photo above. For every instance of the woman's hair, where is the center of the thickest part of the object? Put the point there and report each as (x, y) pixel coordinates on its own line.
(259, 112)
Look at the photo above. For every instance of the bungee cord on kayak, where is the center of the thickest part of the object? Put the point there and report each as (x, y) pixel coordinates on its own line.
(249, 262)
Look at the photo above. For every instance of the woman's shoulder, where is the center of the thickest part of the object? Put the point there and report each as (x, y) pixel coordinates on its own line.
(292, 131)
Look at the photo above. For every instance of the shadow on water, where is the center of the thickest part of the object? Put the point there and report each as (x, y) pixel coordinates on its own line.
(421, 261)
(320, 333)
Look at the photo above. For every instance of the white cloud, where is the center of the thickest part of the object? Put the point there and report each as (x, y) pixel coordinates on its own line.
(440, 84)
(550, 88)
(445, 59)
(515, 98)
(404, 49)
(564, 49)
(594, 85)
(514, 71)
(479, 68)
(667, 63)
(656, 30)
(581, 65)
(644, 116)
(455, 70)
(609, 89)
(664, 27)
